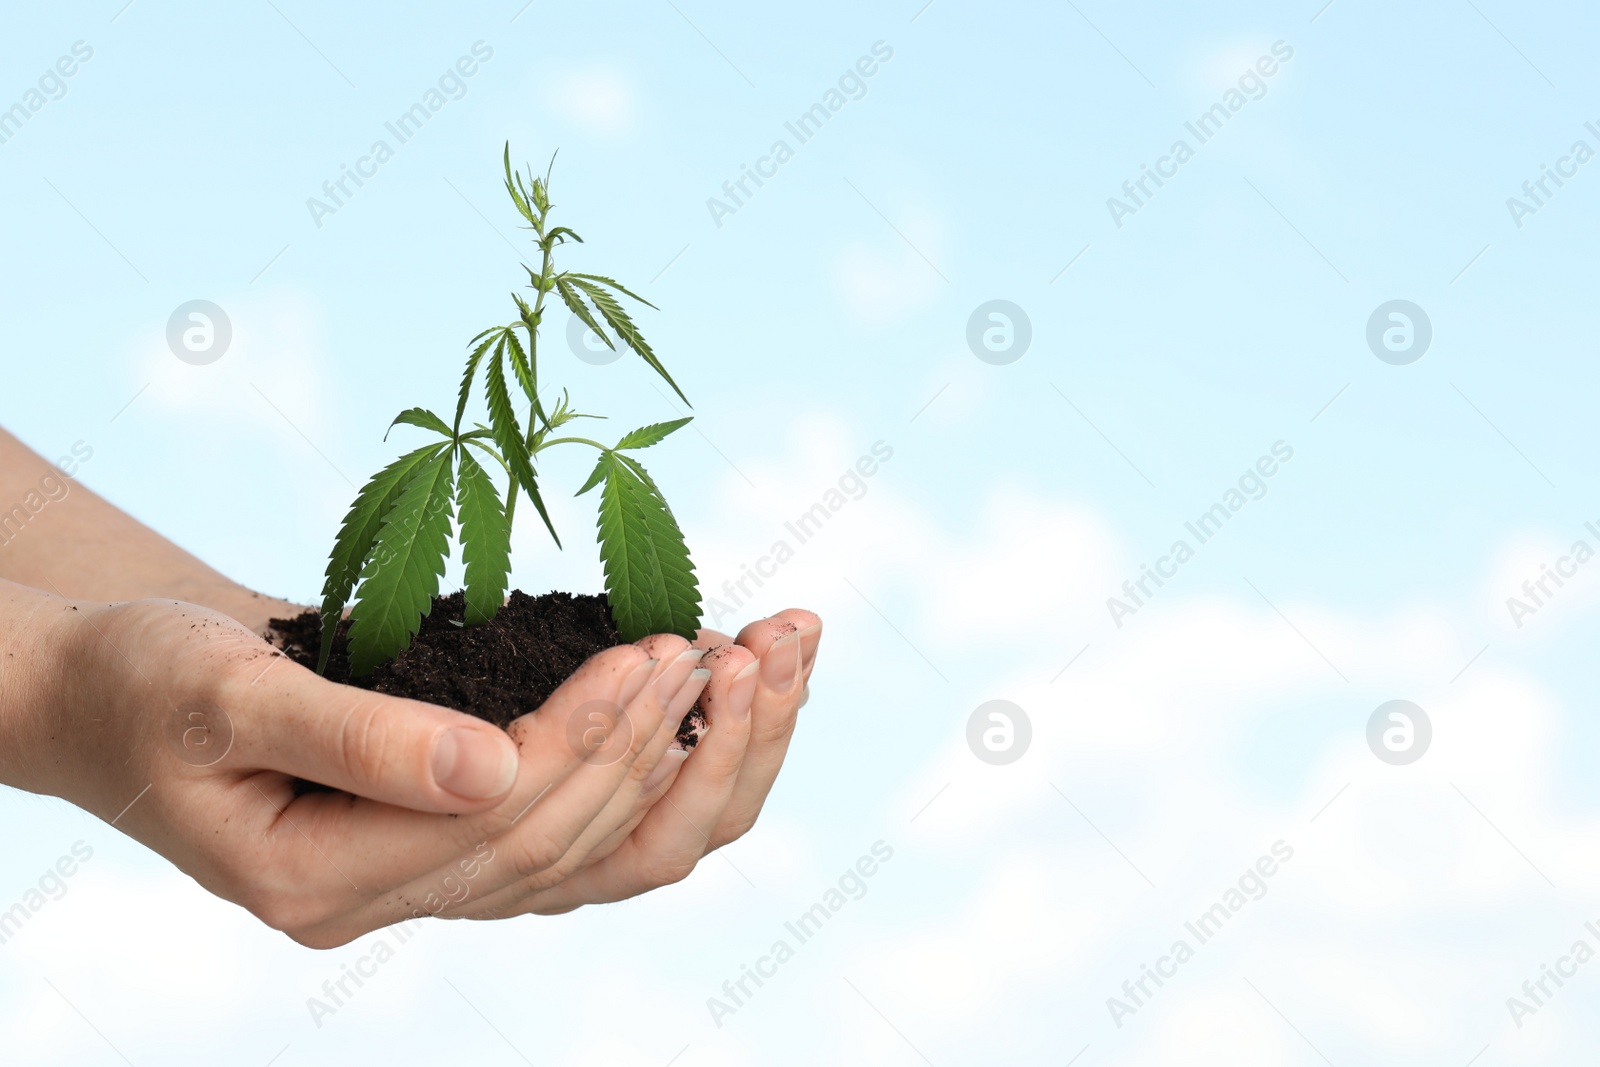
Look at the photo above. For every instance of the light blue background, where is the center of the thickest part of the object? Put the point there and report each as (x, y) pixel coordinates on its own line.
(824, 316)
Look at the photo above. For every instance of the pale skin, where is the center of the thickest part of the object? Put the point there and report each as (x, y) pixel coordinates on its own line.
(116, 646)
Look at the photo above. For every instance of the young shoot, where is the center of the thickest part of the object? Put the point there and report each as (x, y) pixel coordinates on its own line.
(391, 548)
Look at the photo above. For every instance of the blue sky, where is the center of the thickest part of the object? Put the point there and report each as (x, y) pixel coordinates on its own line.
(828, 313)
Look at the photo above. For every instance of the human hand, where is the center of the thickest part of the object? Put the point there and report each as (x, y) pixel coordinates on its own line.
(186, 731)
(690, 802)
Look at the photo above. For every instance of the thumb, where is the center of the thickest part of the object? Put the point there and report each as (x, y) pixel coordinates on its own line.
(385, 748)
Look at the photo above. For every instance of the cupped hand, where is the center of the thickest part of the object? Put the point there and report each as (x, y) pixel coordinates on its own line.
(675, 811)
(185, 730)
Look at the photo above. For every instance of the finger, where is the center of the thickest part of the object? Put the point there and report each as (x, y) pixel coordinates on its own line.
(337, 854)
(787, 646)
(628, 805)
(678, 686)
(608, 736)
(675, 834)
(385, 748)
(709, 639)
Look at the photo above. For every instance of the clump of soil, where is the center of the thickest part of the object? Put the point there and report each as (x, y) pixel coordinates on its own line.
(497, 671)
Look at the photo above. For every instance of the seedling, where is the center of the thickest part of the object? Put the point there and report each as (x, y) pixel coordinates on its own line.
(391, 549)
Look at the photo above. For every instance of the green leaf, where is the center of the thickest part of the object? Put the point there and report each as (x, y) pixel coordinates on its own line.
(596, 475)
(538, 503)
(520, 364)
(508, 435)
(575, 304)
(402, 577)
(619, 321)
(485, 540)
(517, 197)
(644, 476)
(645, 436)
(472, 369)
(357, 534)
(563, 232)
(649, 578)
(618, 286)
(503, 418)
(421, 417)
(477, 441)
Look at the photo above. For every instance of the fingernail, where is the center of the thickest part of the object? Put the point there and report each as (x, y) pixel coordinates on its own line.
(742, 692)
(805, 696)
(688, 694)
(671, 760)
(474, 764)
(677, 673)
(810, 638)
(780, 666)
(634, 684)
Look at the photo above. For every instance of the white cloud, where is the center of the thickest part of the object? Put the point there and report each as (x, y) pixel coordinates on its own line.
(887, 279)
(598, 99)
(271, 375)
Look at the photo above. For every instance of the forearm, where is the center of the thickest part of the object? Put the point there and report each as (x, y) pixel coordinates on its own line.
(57, 536)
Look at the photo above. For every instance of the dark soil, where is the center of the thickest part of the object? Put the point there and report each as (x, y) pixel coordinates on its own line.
(498, 671)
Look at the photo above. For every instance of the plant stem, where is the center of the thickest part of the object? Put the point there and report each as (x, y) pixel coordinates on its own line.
(533, 363)
(570, 441)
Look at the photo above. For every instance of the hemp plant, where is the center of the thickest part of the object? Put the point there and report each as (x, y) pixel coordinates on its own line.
(391, 548)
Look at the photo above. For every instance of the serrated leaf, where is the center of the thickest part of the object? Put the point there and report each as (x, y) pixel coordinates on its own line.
(523, 369)
(575, 304)
(618, 320)
(516, 196)
(649, 578)
(538, 503)
(644, 476)
(423, 418)
(613, 283)
(503, 417)
(485, 540)
(401, 578)
(356, 537)
(564, 232)
(487, 336)
(596, 475)
(508, 435)
(645, 436)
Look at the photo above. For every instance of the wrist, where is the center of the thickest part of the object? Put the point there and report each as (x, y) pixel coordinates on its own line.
(37, 633)
(240, 603)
